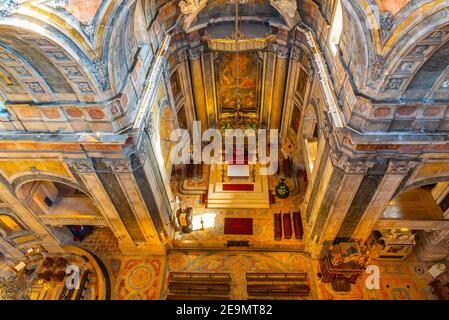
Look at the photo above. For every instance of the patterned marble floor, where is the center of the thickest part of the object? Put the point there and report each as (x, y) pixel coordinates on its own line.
(399, 280)
(146, 278)
(263, 223)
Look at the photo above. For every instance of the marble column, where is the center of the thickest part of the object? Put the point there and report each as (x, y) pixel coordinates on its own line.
(279, 87)
(32, 221)
(209, 87)
(123, 171)
(267, 87)
(184, 77)
(345, 176)
(396, 171)
(196, 72)
(86, 171)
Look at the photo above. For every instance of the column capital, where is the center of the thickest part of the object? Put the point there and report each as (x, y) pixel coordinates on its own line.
(355, 166)
(401, 166)
(281, 51)
(119, 166)
(81, 165)
(195, 52)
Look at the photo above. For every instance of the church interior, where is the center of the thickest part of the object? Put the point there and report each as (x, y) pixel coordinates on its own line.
(353, 96)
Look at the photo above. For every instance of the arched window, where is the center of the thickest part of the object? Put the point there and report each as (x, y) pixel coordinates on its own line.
(337, 27)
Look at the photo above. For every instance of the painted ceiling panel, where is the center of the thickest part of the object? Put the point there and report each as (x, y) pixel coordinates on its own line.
(39, 61)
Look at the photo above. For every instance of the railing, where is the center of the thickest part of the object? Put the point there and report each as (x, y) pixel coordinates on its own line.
(73, 220)
(412, 224)
(195, 245)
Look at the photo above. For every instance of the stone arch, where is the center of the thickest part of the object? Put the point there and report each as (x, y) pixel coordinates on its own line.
(59, 198)
(51, 64)
(104, 278)
(21, 180)
(423, 182)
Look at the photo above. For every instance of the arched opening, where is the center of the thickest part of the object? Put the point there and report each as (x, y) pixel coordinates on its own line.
(310, 136)
(69, 212)
(409, 219)
(337, 28)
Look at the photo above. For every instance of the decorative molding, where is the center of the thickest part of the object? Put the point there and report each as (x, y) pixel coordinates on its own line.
(411, 224)
(288, 10)
(89, 31)
(190, 9)
(355, 166)
(400, 166)
(100, 72)
(188, 245)
(73, 220)
(195, 52)
(8, 8)
(281, 51)
(81, 166)
(386, 23)
(378, 66)
(58, 4)
(394, 83)
(120, 166)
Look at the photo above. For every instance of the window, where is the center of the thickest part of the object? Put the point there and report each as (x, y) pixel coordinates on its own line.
(337, 26)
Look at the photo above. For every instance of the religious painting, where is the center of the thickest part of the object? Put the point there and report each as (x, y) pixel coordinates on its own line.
(303, 77)
(245, 70)
(175, 86)
(295, 119)
(182, 118)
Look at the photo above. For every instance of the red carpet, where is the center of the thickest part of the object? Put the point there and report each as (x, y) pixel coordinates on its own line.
(238, 226)
(238, 187)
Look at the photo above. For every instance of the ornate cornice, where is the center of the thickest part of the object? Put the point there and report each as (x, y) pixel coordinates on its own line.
(195, 52)
(81, 165)
(401, 166)
(281, 51)
(8, 8)
(355, 166)
(57, 4)
(120, 166)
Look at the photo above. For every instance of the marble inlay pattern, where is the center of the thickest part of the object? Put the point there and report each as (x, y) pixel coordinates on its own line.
(140, 278)
(237, 264)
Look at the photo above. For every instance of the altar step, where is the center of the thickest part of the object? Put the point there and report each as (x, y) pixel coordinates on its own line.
(238, 203)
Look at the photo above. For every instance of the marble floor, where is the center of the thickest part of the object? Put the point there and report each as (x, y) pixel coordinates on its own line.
(263, 219)
(146, 278)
